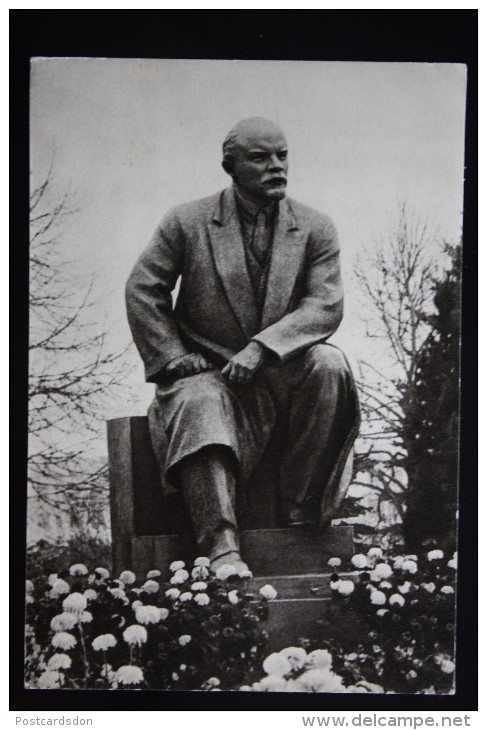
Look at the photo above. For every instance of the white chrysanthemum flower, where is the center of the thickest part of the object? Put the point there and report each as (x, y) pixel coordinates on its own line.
(334, 562)
(59, 588)
(119, 594)
(232, 597)
(186, 596)
(64, 622)
(404, 587)
(63, 640)
(135, 634)
(268, 592)
(150, 586)
(382, 612)
(75, 602)
(103, 642)
(102, 573)
(334, 584)
(129, 674)
(359, 561)
(213, 682)
(396, 600)
(137, 591)
(410, 566)
(345, 587)
(377, 598)
(320, 680)
(276, 665)
(383, 570)
(430, 587)
(295, 655)
(385, 585)
(271, 683)
(374, 552)
(435, 555)
(173, 593)
(78, 569)
(200, 585)
(153, 574)
(225, 571)
(176, 565)
(375, 577)
(135, 604)
(202, 562)
(202, 599)
(184, 639)
(49, 679)
(447, 666)
(117, 583)
(127, 577)
(85, 617)
(147, 614)
(447, 590)
(398, 562)
(29, 586)
(29, 598)
(163, 613)
(453, 563)
(53, 577)
(179, 577)
(320, 659)
(90, 594)
(59, 661)
(411, 557)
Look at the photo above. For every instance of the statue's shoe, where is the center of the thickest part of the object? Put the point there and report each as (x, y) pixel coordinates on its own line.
(230, 563)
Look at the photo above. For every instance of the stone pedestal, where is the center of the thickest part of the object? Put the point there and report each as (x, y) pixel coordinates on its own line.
(149, 531)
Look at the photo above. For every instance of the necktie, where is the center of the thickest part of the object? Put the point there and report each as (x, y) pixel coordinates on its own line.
(259, 238)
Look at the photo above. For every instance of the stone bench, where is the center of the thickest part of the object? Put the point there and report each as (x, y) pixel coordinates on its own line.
(149, 531)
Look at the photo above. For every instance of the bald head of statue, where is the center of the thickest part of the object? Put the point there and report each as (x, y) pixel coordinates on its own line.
(255, 156)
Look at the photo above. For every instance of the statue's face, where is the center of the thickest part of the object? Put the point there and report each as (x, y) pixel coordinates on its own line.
(259, 166)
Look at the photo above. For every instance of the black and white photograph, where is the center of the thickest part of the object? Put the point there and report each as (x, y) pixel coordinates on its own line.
(244, 380)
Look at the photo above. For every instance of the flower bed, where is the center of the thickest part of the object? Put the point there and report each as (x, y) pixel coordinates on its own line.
(294, 670)
(91, 631)
(389, 627)
(394, 623)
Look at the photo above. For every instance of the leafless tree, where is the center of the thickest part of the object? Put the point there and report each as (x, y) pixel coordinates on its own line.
(73, 374)
(396, 278)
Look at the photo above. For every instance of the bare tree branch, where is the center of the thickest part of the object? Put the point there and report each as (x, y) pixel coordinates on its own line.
(74, 374)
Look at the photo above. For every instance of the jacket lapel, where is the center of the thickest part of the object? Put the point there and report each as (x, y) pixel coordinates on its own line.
(229, 255)
(287, 252)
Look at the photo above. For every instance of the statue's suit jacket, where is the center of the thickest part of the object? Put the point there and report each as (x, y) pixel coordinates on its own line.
(216, 311)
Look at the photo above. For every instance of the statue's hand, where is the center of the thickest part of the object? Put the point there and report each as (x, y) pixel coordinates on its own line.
(243, 366)
(186, 365)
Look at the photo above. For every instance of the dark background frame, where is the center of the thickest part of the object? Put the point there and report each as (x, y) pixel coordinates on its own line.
(448, 36)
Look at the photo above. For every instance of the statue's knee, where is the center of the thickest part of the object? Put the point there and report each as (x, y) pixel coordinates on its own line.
(202, 395)
(325, 359)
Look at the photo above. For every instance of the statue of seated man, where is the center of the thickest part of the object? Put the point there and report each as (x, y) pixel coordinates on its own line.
(245, 345)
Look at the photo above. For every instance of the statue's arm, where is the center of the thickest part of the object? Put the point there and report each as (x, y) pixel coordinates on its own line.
(319, 307)
(149, 302)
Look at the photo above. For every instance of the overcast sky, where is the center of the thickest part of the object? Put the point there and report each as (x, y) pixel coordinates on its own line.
(132, 138)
